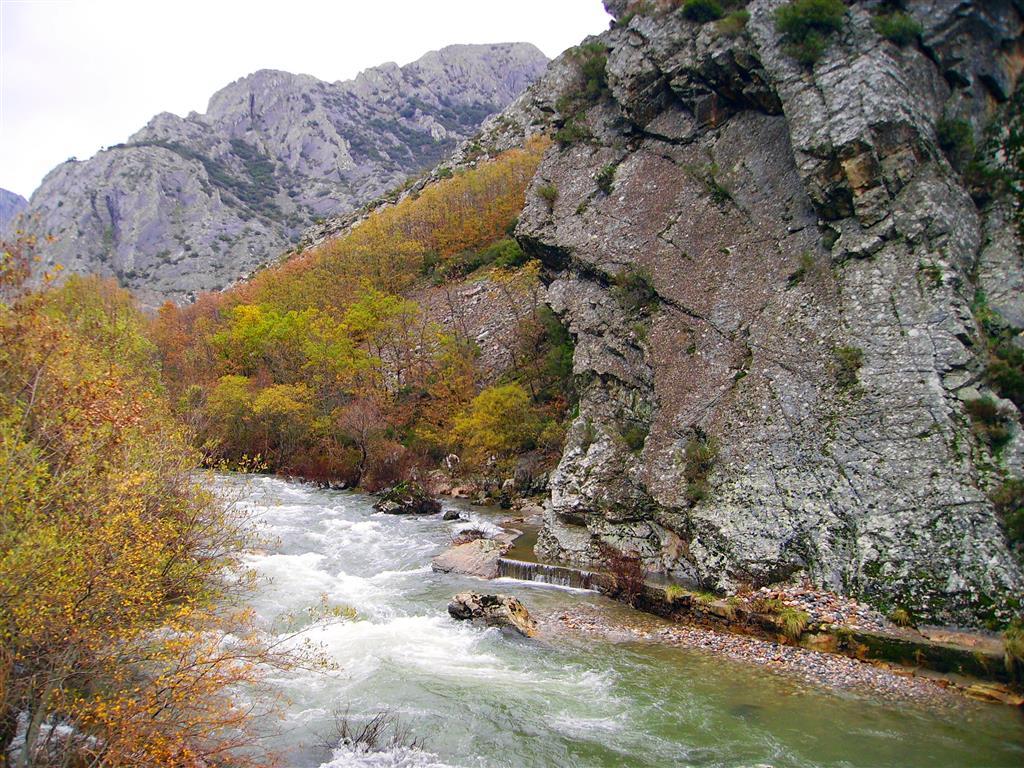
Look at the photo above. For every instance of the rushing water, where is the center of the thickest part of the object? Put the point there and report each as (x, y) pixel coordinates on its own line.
(483, 698)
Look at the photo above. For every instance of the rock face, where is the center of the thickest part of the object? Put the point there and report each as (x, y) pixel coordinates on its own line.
(10, 206)
(478, 557)
(407, 498)
(769, 272)
(493, 610)
(192, 204)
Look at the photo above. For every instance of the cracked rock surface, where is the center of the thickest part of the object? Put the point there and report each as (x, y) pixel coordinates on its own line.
(814, 255)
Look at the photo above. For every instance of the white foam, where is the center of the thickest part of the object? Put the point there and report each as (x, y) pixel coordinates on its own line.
(398, 758)
(479, 524)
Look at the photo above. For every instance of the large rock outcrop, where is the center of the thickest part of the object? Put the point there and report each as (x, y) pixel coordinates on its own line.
(769, 271)
(192, 204)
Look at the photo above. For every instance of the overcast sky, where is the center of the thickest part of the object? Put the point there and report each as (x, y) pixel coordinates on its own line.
(78, 75)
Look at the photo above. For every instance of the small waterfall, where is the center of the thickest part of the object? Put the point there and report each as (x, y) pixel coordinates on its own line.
(547, 574)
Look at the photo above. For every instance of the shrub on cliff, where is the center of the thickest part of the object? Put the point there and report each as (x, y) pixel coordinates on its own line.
(633, 287)
(701, 453)
(549, 194)
(806, 26)
(988, 421)
(1008, 499)
(898, 27)
(702, 11)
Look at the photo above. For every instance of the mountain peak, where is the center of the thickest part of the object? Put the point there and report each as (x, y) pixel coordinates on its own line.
(191, 204)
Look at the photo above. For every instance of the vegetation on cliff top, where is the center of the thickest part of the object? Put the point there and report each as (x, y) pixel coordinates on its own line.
(807, 25)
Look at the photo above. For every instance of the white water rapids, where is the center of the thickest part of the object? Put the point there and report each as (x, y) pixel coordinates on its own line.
(478, 697)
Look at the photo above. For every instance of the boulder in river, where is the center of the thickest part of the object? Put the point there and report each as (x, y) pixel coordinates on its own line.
(407, 498)
(493, 610)
(452, 514)
(478, 557)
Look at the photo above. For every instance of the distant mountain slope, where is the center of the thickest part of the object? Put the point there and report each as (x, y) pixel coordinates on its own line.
(11, 205)
(192, 204)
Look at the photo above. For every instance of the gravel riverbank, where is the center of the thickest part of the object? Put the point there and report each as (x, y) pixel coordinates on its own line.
(821, 669)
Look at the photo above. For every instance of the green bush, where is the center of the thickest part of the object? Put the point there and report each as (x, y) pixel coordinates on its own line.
(1008, 500)
(701, 453)
(635, 435)
(806, 25)
(847, 363)
(1006, 372)
(791, 621)
(901, 28)
(901, 617)
(702, 11)
(592, 59)
(734, 23)
(505, 254)
(590, 86)
(673, 592)
(548, 193)
(989, 422)
(573, 131)
(634, 290)
(606, 178)
(956, 139)
(1005, 369)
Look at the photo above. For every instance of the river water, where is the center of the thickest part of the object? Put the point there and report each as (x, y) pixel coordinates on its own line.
(478, 697)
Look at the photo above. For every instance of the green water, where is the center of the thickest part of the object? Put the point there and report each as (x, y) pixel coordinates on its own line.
(482, 698)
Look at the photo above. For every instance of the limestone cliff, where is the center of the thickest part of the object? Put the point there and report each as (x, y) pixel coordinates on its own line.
(782, 280)
(192, 204)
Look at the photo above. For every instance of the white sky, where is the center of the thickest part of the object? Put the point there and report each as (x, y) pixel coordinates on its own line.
(78, 75)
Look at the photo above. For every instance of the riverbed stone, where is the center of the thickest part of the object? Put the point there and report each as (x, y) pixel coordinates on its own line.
(478, 557)
(407, 499)
(494, 610)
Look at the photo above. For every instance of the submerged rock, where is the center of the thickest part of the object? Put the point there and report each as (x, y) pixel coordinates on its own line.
(478, 557)
(493, 610)
(407, 499)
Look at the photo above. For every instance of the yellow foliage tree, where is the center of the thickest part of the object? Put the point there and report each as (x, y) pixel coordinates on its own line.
(499, 423)
(116, 569)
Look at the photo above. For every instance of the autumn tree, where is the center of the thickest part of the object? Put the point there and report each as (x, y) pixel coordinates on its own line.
(360, 422)
(118, 573)
(499, 424)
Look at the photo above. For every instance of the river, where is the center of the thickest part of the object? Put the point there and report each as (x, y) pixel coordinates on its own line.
(479, 697)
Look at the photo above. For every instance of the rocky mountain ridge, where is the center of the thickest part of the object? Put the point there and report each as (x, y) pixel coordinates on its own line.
(192, 204)
(785, 282)
(11, 205)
